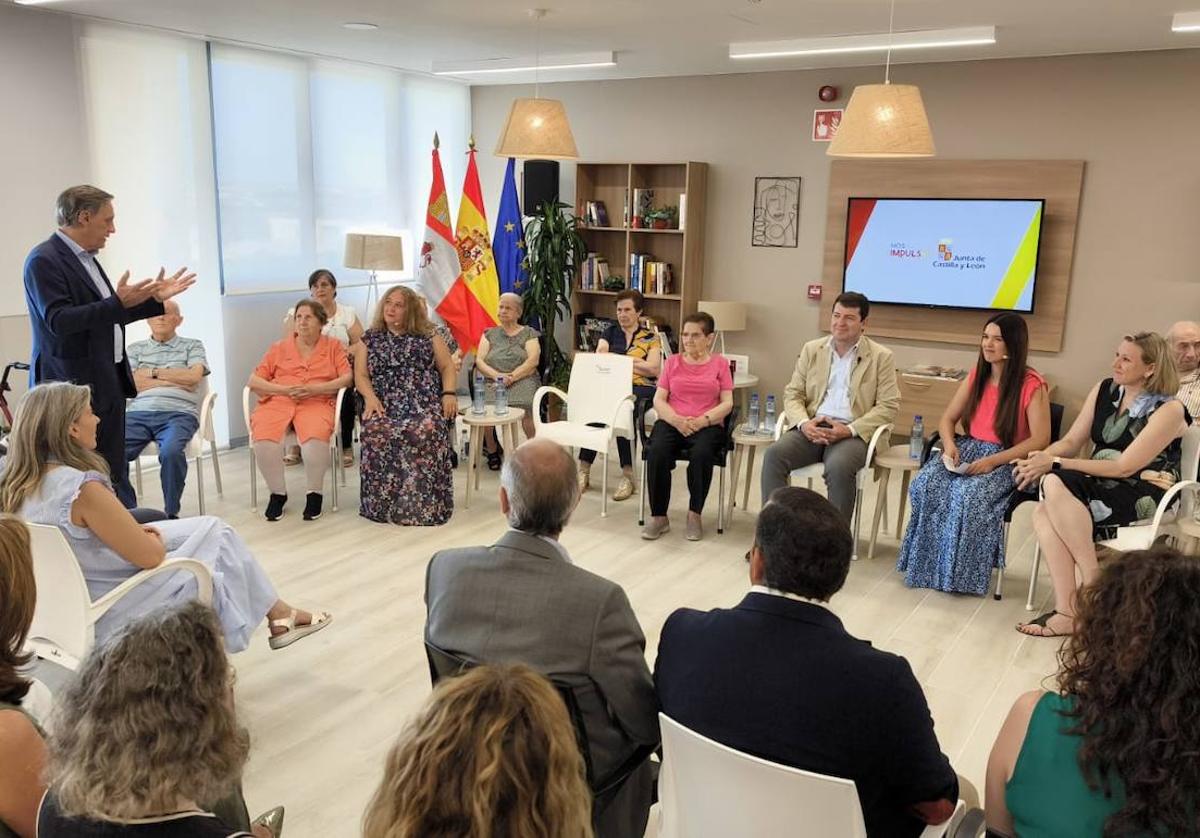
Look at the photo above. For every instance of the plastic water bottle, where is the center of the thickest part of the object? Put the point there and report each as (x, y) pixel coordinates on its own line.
(501, 397)
(477, 398)
(751, 425)
(768, 428)
(916, 440)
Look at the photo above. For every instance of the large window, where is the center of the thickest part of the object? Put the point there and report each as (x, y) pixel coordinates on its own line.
(307, 150)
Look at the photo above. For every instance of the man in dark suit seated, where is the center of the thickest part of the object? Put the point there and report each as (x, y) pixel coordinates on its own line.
(778, 676)
(523, 600)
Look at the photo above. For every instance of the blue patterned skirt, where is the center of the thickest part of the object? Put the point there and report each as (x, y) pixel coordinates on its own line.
(953, 537)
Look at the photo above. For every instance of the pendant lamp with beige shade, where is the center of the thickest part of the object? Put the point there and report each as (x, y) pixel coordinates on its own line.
(537, 128)
(885, 121)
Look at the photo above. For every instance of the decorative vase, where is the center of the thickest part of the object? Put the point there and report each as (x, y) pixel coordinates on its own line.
(660, 223)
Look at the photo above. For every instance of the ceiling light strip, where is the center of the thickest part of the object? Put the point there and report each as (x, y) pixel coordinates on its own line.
(842, 44)
(1186, 22)
(525, 64)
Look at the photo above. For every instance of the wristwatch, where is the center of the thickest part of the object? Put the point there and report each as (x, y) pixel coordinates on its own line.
(1056, 464)
(154, 372)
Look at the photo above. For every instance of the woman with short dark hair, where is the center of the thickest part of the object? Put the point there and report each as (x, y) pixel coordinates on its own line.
(630, 338)
(341, 324)
(296, 382)
(1113, 750)
(693, 397)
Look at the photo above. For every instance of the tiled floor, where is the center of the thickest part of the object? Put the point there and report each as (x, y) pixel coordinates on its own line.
(323, 713)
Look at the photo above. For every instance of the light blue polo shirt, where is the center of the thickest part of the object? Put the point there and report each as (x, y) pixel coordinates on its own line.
(178, 353)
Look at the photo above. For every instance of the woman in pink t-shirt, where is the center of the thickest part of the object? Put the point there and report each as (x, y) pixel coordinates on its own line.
(953, 537)
(694, 395)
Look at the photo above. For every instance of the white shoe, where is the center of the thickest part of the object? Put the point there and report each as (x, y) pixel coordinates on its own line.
(655, 527)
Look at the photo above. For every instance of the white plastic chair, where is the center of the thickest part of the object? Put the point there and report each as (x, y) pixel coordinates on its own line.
(65, 616)
(816, 471)
(600, 391)
(709, 790)
(1140, 535)
(335, 452)
(205, 433)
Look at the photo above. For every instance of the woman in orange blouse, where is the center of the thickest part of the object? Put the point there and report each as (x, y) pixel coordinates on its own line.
(296, 383)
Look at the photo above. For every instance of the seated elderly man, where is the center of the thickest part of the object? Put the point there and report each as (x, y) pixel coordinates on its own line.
(779, 677)
(167, 370)
(1184, 338)
(523, 600)
(843, 388)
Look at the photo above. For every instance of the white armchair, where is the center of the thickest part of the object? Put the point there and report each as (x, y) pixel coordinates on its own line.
(194, 452)
(65, 616)
(878, 443)
(600, 393)
(1179, 522)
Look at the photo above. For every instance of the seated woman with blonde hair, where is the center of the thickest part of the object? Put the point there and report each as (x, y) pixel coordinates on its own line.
(54, 476)
(406, 376)
(1134, 422)
(1112, 750)
(145, 733)
(491, 755)
(296, 383)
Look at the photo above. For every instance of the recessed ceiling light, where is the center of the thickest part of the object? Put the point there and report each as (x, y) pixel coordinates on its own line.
(921, 39)
(1186, 22)
(574, 61)
(360, 26)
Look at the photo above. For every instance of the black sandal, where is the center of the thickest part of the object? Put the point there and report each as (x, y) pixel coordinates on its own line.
(494, 460)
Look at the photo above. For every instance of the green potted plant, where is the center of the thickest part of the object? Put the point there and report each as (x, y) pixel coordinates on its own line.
(614, 283)
(663, 218)
(554, 250)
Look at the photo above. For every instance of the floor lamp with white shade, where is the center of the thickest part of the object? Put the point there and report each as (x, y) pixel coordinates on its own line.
(374, 252)
(727, 316)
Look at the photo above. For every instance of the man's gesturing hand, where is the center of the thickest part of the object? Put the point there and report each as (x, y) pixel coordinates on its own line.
(166, 287)
(134, 293)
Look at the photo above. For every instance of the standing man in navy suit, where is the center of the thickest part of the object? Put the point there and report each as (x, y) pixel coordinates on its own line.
(79, 318)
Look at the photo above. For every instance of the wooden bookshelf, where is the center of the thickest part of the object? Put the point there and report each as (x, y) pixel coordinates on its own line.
(683, 250)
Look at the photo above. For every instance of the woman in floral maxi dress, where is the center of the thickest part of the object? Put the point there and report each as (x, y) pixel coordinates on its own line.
(405, 374)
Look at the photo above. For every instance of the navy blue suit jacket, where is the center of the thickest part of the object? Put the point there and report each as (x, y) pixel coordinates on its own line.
(783, 680)
(73, 325)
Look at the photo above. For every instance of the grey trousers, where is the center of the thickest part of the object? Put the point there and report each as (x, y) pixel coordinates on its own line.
(842, 461)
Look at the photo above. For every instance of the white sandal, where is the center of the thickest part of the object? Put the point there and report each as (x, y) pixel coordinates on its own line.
(292, 632)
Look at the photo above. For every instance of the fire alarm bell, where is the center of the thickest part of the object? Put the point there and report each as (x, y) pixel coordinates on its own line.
(814, 292)
(827, 93)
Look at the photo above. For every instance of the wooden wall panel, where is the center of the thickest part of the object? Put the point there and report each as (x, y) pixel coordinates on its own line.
(1060, 182)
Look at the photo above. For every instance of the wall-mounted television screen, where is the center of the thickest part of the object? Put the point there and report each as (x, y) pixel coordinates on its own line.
(977, 253)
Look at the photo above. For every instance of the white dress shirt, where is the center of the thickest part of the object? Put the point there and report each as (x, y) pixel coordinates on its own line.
(836, 404)
(763, 589)
(87, 258)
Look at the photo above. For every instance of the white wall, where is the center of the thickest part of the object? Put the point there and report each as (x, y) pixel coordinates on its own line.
(43, 148)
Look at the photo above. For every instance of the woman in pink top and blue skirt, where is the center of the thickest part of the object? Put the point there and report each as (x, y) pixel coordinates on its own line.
(953, 537)
(693, 397)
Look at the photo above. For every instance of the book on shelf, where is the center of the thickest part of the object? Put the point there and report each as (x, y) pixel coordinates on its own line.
(643, 202)
(682, 210)
(625, 210)
(591, 329)
(601, 213)
(593, 272)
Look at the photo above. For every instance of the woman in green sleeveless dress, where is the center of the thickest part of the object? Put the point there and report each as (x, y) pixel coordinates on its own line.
(1114, 751)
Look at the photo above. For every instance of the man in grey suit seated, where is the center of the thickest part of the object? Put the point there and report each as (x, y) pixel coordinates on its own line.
(523, 599)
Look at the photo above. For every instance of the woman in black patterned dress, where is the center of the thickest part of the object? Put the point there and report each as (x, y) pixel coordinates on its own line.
(1135, 423)
(405, 374)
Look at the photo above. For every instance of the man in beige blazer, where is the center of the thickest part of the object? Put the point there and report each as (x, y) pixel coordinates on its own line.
(843, 388)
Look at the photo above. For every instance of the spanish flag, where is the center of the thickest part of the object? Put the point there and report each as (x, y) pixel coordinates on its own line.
(442, 270)
(475, 254)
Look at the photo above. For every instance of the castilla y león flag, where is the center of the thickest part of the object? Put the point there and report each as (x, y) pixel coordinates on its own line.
(443, 276)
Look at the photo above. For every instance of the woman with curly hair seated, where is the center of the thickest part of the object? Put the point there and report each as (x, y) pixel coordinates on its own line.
(145, 733)
(492, 755)
(1113, 751)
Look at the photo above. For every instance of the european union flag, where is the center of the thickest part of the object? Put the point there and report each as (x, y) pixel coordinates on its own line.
(509, 243)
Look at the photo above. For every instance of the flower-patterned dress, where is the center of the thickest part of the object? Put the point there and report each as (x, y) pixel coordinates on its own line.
(405, 471)
(1116, 502)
